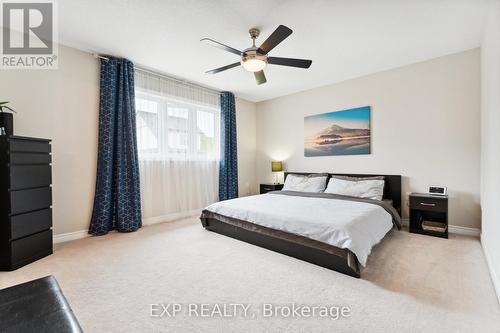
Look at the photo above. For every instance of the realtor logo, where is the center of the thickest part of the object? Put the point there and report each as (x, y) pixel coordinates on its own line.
(28, 35)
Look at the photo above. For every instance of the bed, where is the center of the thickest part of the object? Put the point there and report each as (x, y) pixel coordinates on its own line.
(329, 230)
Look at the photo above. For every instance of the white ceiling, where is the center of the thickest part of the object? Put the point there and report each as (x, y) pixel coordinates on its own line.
(344, 38)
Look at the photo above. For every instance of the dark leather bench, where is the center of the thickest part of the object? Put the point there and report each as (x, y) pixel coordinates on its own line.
(36, 306)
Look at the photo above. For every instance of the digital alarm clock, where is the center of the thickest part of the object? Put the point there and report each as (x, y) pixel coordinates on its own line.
(438, 190)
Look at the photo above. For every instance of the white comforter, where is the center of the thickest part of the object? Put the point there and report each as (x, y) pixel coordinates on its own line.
(356, 226)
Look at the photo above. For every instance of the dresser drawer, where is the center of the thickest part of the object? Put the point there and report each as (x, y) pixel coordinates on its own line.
(23, 201)
(29, 176)
(29, 158)
(264, 188)
(31, 248)
(32, 146)
(30, 223)
(432, 204)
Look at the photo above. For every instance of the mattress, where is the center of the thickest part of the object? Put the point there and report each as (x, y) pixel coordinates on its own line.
(344, 222)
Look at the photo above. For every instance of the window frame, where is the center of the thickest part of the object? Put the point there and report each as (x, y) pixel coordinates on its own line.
(163, 151)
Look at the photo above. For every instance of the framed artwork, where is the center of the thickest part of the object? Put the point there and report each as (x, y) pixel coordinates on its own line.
(345, 132)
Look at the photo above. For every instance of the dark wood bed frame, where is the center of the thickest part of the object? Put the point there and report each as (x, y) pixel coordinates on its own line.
(343, 261)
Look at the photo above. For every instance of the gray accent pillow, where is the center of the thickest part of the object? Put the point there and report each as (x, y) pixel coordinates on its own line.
(389, 201)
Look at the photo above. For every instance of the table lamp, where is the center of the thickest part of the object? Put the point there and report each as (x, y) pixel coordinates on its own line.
(276, 166)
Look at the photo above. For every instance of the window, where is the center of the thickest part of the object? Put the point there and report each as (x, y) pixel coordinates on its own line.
(178, 140)
(206, 131)
(147, 124)
(173, 129)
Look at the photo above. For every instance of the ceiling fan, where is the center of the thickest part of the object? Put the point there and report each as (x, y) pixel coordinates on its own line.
(254, 59)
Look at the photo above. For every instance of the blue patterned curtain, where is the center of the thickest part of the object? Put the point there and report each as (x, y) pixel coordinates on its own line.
(117, 202)
(228, 170)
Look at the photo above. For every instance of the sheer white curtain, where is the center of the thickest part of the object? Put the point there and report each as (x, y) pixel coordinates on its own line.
(178, 140)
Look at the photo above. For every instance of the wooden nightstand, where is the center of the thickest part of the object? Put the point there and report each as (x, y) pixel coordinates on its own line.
(264, 188)
(427, 212)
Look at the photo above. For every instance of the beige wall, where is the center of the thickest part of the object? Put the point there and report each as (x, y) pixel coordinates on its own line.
(246, 121)
(61, 105)
(490, 142)
(425, 126)
(419, 116)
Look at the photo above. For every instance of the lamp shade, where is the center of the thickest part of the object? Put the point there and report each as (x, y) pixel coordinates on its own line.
(277, 166)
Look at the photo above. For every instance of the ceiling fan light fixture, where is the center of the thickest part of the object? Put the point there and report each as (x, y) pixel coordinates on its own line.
(255, 58)
(254, 64)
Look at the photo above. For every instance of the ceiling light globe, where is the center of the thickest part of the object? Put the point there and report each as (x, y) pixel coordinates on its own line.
(254, 65)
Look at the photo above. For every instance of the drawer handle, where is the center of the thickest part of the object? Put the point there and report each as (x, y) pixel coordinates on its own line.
(428, 204)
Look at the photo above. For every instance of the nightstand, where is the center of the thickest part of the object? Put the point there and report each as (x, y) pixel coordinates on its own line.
(429, 214)
(264, 188)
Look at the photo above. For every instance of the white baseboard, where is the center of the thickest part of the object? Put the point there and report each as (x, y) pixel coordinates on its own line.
(456, 229)
(466, 231)
(493, 274)
(69, 236)
(171, 217)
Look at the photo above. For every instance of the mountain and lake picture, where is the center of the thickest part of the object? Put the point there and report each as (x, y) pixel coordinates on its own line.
(344, 132)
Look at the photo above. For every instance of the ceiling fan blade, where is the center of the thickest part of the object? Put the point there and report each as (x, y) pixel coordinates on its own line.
(221, 46)
(301, 63)
(276, 37)
(223, 68)
(260, 77)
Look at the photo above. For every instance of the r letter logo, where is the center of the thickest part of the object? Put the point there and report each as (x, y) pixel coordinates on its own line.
(28, 35)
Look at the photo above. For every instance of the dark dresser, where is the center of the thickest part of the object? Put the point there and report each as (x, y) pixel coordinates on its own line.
(429, 214)
(25, 200)
(264, 188)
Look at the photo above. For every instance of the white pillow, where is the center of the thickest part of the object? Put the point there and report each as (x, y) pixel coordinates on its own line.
(368, 189)
(310, 183)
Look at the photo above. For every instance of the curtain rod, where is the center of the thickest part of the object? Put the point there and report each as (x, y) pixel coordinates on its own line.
(96, 55)
(166, 76)
(149, 71)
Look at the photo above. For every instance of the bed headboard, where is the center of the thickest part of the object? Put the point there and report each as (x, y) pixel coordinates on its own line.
(392, 187)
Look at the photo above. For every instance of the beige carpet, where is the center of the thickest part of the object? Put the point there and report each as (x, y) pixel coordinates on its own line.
(412, 283)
